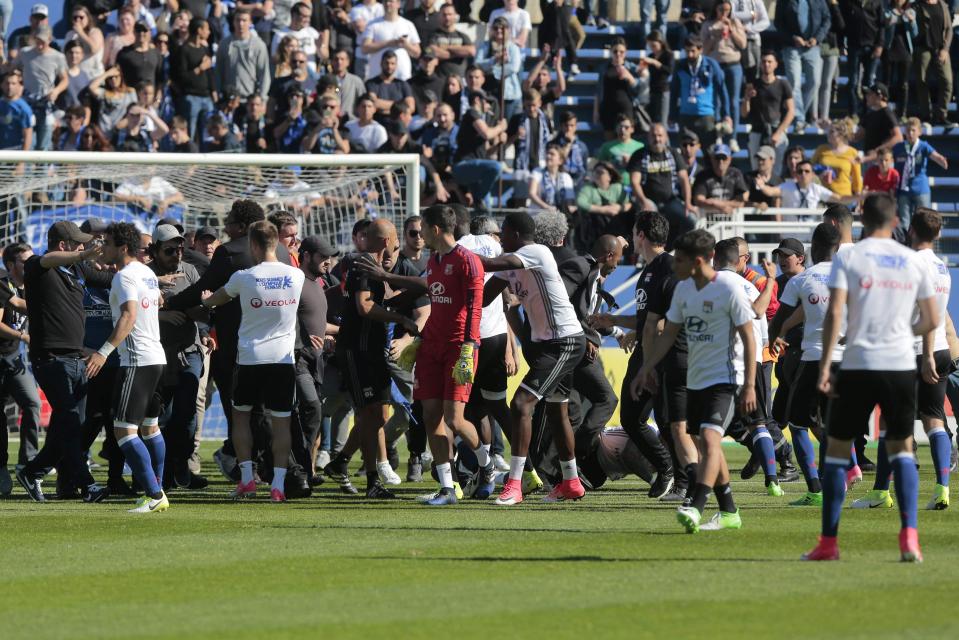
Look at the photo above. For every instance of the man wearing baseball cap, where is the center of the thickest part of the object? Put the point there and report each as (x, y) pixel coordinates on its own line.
(44, 79)
(53, 287)
(721, 188)
(763, 183)
(879, 126)
(21, 37)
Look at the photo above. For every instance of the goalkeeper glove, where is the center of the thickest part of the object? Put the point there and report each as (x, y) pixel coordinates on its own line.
(408, 356)
(463, 370)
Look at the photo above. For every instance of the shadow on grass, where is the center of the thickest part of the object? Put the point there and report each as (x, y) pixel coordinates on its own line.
(599, 559)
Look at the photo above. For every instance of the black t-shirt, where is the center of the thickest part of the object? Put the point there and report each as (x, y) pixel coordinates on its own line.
(658, 173)
(731, 186)
(420, 83)
(359, 333)
(659, 77)
(878, 124)
(768, 106)
(454, 65)
(54, 309)
(394, 91)
(406, 267)
(794, 335)
(11, 317)
(470, 145)
(311, 321)
(654, 294)
(755, 195)
(140, 66)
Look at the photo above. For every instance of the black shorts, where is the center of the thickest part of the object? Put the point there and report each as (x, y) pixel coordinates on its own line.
(713, 406)
(270, 385)
(857, 392)
(551, 366)
(366, 377)
(490, 381)
(135, 398)
(805, 406)
(931, 398)
(672, 400)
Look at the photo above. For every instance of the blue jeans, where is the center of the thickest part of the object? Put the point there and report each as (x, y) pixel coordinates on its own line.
(658, 108)
(195, 109)
(733, 75)
(859, 59)
(646, 16)
(830, 67)
(6, 15)
(478, 176)
(908, 203)
(64, 383)
(42, 130)
(803, 69)
(17, 383)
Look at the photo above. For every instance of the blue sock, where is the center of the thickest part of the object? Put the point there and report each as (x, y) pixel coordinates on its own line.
(138, 457)
(941, 453)
(907, 487)
(853, 458)
(883, 470)
(806, 457)
(767, 452)
(156, 445)
(833, 494)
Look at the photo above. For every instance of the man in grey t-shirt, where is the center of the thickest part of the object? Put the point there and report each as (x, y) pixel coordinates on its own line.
(44, 79)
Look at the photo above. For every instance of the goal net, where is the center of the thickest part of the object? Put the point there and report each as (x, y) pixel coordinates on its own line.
(326, 193)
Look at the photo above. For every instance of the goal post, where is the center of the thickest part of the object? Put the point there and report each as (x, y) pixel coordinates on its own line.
(326, 193)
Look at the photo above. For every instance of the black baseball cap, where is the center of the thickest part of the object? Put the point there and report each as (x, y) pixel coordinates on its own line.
(396, 128)
(206, 232)
(318, 245)
(790, 247)
(173, 222)
(141, 26)
(66, 230)
(880, 90)
(93, 225)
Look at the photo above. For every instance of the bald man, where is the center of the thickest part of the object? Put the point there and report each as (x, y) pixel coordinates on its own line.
(361, 349)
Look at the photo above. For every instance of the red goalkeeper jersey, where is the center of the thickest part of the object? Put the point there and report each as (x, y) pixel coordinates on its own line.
(456, 297)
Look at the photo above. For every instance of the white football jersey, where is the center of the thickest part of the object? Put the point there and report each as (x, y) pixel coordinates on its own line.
(883, 281)
(942, 282)
(493, 321)
(760, 328)
(137, 282)
(269, 295)
(540, 288)
(810, 289)
(710, 316)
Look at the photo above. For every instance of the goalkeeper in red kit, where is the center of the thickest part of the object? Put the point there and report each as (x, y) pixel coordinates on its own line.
(445, 355)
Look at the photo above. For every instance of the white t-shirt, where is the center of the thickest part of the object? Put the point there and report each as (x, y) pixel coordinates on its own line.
(518, 20)
(269, 295)
(760, 328)
(540, 288)
(366, 13)
(811, 198)
(710, 316)
(942, 283)
(307, 37)
(157, 190)
(883, 280)
(372, 136)
(811, 290)
(382, 30)
(493, 321)
(137, 282)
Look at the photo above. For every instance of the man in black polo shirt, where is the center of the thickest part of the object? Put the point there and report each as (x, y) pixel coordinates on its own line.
(54, 293)
(721, 188)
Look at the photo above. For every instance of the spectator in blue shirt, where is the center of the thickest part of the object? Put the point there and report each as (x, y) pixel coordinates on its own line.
(16, 117)
(575, 150)
(804, 24)
(700, 93)
(912, 161)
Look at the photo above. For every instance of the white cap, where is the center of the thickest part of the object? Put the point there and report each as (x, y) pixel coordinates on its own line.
(40, 9)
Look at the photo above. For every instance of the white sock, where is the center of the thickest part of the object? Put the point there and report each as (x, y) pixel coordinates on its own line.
(246, 472)
(445, 474)
(482, 455)
(516, 465)
(279, 476)
(569, 468)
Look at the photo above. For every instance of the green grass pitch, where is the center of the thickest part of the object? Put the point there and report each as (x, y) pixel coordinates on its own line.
(615, 565)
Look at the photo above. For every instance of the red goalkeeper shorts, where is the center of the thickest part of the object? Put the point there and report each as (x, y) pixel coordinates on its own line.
(433, 377)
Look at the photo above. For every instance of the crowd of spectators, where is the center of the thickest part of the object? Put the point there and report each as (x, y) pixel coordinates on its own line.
(481, 100)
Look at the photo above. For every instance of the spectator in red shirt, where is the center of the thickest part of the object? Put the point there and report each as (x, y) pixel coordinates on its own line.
(882, 176)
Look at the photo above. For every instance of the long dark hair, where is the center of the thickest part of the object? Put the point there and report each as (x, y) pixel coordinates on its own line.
(98, 142)
(656, 36)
